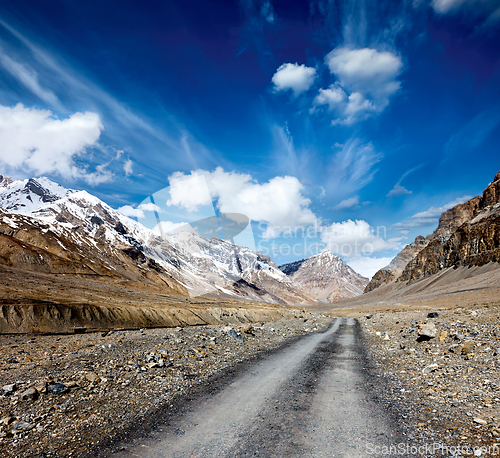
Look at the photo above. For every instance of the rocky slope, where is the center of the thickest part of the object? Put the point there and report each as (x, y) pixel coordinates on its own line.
(472, 240)
(467, 235)
(398, 264)
(327, 276)
(64, 222)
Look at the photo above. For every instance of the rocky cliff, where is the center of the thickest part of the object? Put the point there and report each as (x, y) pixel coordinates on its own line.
(397, 265)
(467, 235)
(473, 240)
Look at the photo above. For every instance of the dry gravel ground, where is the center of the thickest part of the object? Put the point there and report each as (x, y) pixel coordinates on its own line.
(439, 392)
(446, 387)
(309, 399)
(68, 395)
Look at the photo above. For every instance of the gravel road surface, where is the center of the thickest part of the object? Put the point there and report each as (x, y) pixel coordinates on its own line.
(310, 399)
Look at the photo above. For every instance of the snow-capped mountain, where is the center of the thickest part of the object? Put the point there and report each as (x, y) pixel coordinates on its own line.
(327, 276)
(186, 262)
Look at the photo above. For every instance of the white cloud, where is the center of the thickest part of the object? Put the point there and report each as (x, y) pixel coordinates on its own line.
(366, 79)
(430, 216)
(353, 239)
(347, 203)
(128, 167)
(352, 167)
(490, 9)
(368, 266)
(279, 202)
(334, 97)
(267, 11)
(130, 211)
(189, 191)
(150, 207)
(398, 190)
(36, 141)
(434, 212)
(366, 70)
(298, 78)
(138, 212)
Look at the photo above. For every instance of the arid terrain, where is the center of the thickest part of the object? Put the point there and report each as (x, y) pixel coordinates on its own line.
(68, 395)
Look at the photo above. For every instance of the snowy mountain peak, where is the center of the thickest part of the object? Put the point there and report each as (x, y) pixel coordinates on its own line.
(327, 276)
(326, 256)
(27, 196)
(199, 265)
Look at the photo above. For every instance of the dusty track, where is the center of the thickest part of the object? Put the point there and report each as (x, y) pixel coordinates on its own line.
(309, 400)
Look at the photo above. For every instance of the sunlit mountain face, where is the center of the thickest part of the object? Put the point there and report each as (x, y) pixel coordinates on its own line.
(339, 127)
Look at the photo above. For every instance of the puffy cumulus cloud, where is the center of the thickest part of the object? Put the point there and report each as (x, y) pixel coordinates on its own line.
(133, 212)
(353, 239)
(334, 97)
(279, 203)
(488, 9)
(430, 216)
(368, 265)
(366, 79)
(189, 191)
(36, 141)
(150, 207)
(295, 77)
(366, 70)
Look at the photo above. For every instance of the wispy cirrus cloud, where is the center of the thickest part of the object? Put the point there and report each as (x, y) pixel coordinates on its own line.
(29, 78)
(352, 167)
(474, 133)
(64, 89)
(400, 190)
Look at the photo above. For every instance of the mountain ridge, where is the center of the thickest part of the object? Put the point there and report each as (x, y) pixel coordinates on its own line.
(197, 266)
(327, 276)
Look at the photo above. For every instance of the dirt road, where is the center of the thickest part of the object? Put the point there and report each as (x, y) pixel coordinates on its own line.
(307, 400)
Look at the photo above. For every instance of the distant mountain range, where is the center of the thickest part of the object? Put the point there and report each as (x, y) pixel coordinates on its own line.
(47, 228)
(467, 235)
(327, 276)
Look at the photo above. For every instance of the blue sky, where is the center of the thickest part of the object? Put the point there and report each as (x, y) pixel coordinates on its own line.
(361, 119)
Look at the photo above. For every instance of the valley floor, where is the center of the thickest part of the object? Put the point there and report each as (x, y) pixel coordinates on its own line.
(73, 393)
(107, 393)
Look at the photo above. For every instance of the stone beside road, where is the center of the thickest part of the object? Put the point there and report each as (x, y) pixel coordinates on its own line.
(445, 387)
(66, 395)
